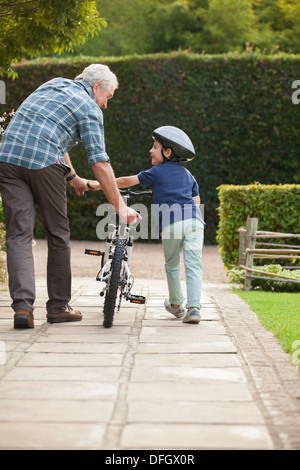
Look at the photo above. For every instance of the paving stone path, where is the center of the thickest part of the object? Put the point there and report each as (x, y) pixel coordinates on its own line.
(149, 382)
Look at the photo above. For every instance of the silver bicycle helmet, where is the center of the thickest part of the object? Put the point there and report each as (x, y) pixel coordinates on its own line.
(177, 140)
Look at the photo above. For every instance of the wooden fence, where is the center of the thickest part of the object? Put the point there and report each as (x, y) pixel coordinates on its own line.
(248, 251)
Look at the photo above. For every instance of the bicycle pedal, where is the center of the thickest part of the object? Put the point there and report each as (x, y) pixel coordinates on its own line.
(93, 252)
(136, 299)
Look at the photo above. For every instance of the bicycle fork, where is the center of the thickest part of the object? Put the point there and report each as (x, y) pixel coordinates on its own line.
(126, 279)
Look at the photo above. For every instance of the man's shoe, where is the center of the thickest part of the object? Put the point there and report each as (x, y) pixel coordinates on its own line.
(192, 316)
(23, 319)
(67, 316)
(178, 312)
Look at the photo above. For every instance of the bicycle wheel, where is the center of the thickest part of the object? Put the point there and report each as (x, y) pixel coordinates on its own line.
(112, 291)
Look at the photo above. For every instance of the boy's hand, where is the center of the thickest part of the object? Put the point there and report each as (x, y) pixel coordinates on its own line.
(93, 185)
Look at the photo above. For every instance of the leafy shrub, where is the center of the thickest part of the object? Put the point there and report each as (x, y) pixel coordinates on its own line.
(276, 207)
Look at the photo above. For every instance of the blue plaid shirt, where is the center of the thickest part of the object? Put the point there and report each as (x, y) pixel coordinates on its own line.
(54, 118)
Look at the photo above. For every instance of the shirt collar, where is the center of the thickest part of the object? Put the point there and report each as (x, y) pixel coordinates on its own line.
(87, 87)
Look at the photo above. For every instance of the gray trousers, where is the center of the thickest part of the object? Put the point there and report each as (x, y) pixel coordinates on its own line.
(22, 190)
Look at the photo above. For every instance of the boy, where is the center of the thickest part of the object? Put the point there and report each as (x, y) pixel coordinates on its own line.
(176, 198)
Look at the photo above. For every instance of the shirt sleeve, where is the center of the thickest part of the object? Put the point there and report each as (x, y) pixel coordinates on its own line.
(91, 131)
(195, 189)
(146, 178)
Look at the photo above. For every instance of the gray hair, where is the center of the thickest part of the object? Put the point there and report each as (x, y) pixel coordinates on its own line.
(99, 73)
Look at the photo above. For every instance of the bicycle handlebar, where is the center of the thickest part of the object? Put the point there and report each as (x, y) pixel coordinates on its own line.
(129, 192)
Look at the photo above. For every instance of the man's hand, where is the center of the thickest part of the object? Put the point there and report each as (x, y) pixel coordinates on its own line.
(128, 215)
(80, 185)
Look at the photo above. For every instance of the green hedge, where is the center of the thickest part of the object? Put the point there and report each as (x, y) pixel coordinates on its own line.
(277, 208)
(237, 109)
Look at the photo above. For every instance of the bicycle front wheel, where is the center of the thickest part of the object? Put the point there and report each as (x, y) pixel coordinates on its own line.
(112, 291)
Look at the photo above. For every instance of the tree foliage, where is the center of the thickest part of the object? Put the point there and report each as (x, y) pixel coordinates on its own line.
(32, 28)
(213, 26)
(37, 27)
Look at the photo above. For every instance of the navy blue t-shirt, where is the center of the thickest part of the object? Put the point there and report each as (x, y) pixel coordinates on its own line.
(173, 189)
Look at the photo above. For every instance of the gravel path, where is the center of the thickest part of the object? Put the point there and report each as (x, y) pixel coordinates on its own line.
(147, 261)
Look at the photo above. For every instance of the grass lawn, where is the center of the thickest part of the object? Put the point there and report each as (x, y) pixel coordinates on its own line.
(279, 313)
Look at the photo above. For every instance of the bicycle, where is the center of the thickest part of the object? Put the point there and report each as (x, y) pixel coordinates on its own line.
(115, 262)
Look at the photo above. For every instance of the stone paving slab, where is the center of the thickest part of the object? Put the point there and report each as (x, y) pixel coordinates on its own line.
(187, 359)
(98, 374)
(58, 390)
(212, 346)
(77, 348)
(52, 436)
(55, 410)
(187, 374)
(149, 382)
(70, 360)
(185, 411)
(206, 391)
(195, 436)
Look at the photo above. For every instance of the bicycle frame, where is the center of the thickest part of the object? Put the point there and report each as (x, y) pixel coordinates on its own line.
(126, 234)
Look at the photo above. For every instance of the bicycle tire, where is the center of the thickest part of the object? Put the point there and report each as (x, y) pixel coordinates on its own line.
(112, 292)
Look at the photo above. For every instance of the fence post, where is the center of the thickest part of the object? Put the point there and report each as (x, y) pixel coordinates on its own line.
(250, 243)
(242, 246)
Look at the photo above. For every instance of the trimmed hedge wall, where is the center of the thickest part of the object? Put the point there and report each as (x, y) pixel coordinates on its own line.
(277, 208)
(237, 109)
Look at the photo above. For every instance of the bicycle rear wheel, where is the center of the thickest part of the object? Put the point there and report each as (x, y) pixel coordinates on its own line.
(112, 291)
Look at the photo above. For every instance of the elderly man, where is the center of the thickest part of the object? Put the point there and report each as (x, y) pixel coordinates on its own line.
(34, 168)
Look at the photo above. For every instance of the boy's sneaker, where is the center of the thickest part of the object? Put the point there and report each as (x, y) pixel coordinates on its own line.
(178, 312)
(192, 316)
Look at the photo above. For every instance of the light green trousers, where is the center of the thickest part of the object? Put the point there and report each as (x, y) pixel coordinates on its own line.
(184, 236)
